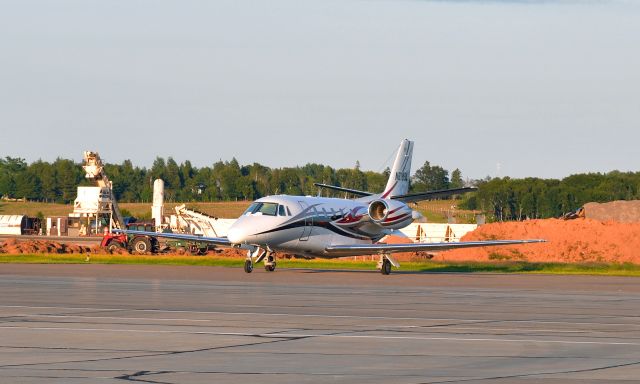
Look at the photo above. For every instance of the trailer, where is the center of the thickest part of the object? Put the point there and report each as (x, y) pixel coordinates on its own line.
(19, 225)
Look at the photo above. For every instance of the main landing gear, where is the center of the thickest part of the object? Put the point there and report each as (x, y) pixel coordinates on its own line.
(269, 258)
(384, 265)
(270, 262)
(248, 266)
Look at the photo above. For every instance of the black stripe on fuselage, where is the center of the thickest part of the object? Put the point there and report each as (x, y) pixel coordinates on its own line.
(316, 223)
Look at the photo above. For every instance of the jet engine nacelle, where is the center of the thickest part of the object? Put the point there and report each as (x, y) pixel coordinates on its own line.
(390, 214)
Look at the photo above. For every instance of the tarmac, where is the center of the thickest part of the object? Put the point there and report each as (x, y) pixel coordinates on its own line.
(163, 324)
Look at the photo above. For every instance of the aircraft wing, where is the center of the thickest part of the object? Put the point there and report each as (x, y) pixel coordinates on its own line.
(415, 197)
(222, 241)
(371, 249)
(341, 189)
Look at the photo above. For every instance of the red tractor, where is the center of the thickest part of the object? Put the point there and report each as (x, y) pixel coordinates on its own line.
(139, 244)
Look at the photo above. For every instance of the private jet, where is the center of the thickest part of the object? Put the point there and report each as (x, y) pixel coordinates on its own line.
(325, 227)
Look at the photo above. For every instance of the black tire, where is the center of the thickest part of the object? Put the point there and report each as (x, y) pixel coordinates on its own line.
(114, 246)
(386, 267)
(248, 266)
(141, 245)
(270, 267)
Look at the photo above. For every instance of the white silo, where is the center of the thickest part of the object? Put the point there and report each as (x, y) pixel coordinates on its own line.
(157, 209)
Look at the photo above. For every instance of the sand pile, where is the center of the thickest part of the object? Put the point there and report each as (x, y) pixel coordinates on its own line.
(228, 252)
(583, 240)
(15, 246)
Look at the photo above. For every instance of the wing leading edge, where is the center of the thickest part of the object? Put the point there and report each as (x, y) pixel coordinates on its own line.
(415, 197)
(410, 198)
(222, 241)
(369, 249)
(342, 189)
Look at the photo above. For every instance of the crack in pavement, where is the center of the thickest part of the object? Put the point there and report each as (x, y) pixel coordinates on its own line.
(171, 353)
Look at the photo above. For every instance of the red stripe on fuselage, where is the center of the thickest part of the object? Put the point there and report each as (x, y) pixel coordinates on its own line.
(397, 218)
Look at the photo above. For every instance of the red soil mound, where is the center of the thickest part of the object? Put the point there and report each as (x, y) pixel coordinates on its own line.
(571, 241)
(14, 246)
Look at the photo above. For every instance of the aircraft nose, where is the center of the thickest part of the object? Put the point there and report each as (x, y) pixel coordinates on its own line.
(236, 235)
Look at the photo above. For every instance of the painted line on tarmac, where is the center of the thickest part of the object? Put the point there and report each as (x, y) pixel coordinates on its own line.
(312, 335)
(319, 315)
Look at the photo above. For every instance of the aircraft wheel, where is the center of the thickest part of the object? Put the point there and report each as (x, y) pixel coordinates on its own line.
(270, 267)
(248, 266)
(386, 267)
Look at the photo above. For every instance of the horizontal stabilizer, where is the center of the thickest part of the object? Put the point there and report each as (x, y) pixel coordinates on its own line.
(341, 189)
(415, 197)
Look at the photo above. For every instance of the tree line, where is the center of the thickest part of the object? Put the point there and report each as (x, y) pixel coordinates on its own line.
(534, 198)
(57, 181)
(501, 198)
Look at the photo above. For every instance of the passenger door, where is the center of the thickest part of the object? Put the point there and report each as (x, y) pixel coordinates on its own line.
(308, 222)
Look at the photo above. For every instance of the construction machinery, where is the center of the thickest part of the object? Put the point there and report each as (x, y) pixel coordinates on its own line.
(95, 209)
(94, 170)
(197, 223)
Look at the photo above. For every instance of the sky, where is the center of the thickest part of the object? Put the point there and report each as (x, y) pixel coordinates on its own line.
(495, 88)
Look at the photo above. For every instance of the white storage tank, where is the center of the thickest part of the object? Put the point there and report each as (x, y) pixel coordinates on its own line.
(12, 224)
(157, 209)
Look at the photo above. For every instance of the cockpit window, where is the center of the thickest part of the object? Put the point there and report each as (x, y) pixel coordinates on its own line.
(288, 211)
(281, 211)
(251, 208)
(269, 209)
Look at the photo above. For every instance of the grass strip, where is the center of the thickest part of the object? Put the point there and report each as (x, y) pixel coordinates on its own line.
(614, 269)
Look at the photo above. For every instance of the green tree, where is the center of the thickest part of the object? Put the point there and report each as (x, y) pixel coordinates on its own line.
(10, 169)
(45, 172)
(69, 175)
(456, 179)
(430, 178)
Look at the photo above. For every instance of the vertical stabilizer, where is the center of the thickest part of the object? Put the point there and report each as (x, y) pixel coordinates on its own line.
(398, 183)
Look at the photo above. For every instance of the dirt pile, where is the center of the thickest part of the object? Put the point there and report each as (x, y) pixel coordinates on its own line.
(573, 241)
(15, 246)
(18, 246)
(228, 252)
(620, 211)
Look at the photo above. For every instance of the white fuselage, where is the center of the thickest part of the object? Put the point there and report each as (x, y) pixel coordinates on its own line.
(307, 225)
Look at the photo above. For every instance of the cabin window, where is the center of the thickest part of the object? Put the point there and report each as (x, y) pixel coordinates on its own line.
(281, 211)
(288, 211)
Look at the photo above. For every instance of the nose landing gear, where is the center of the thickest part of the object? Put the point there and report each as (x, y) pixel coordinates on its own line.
(259, 255)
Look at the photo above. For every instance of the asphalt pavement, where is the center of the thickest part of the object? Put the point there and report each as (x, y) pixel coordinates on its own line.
(162, 324)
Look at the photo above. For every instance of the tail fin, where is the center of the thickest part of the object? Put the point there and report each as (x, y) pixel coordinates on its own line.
(398, 183)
